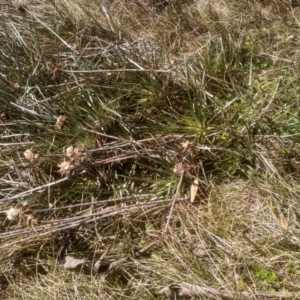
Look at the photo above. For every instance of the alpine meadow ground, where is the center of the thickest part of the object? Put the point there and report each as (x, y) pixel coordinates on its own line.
(149, 149)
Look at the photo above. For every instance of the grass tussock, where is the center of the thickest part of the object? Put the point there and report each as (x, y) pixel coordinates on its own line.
(149, 145)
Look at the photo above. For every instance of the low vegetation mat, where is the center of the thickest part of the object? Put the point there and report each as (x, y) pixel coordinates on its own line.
(149, 149)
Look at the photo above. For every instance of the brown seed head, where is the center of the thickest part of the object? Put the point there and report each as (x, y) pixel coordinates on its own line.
(180, 169)
(61, 120)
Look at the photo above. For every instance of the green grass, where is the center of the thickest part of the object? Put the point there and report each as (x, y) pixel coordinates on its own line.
(155, 94)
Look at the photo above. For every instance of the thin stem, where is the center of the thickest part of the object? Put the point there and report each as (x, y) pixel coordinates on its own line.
(174, 200)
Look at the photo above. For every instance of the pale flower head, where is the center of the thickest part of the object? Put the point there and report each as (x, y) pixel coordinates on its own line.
(70, 151)
(186, 145)
(12, 213)
(74, 152)
(65, 168)
(31, 155)
(180, 169)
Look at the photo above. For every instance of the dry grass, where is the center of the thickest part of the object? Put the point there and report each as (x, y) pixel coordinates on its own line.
(110, 112)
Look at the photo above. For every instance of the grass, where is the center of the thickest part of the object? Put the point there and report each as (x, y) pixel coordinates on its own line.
(110, 113)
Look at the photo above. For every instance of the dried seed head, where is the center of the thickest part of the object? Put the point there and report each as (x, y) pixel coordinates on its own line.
(186, 145)
(74, 152)
(61, 120)
(12, 213)
(65, 168)
(31, 155)
(180, 169)
(70, 151)
(31, 222)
